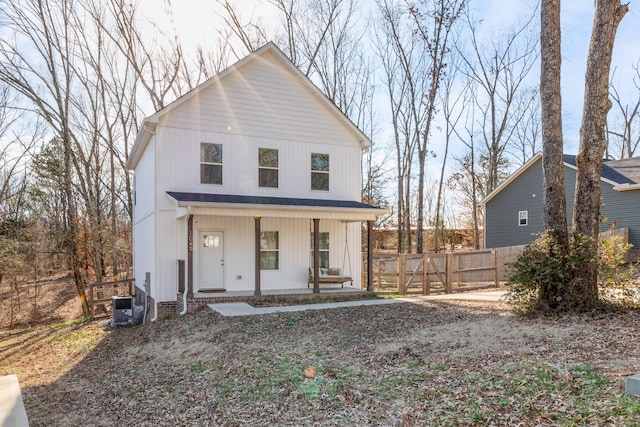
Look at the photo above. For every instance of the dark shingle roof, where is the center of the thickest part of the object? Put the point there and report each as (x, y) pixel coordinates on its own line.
(262, 200)
(630, 168)
(619, 171)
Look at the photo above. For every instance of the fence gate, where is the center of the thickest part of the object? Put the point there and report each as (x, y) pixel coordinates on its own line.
(441, 272)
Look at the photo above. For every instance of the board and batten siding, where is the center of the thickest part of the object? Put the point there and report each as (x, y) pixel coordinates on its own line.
(294, 252)
(171, 245)
(144, 217)
(179, 166)
(262, 103)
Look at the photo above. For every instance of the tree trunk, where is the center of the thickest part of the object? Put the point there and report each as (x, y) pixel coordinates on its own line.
(420, 219)
(474, 198)
(72, 225)
(586, 211)
(554, 211)
(554, 199)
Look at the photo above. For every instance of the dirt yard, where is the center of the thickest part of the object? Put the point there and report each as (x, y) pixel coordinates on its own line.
(432, 363)
(46, 302)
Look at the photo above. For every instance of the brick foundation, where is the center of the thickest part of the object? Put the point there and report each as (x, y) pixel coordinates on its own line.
(165, 309)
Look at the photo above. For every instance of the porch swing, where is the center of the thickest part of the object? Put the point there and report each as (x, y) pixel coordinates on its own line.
(334, 275)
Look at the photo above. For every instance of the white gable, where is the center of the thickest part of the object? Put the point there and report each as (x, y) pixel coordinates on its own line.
(261, 99)
(264, 96)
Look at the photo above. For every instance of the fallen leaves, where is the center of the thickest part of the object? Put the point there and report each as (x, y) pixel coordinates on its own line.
(310, 372)
(430, 363)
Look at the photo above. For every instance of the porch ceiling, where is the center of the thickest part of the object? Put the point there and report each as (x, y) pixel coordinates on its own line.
(275, 207)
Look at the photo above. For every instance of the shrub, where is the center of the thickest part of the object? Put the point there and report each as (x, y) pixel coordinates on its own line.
(547, 276)
(614, 273)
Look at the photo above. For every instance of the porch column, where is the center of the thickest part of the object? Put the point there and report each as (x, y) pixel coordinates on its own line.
(369, 256)
(257, 255)
(190, 257)
(316, 255)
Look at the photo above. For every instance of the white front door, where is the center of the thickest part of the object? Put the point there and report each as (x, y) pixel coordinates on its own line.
(211, 260)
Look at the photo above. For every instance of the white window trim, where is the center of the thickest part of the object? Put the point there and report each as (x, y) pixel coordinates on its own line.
(221, 164)
(327, 172)
(276, 250)
(277, 169)
(526, 218)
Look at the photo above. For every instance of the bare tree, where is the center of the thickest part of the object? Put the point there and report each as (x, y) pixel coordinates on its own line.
(586, 210)
(434, 24)
(554, 199)
(402, 60)
(309, 24)
(251, 35)
(623, 130)
(500, 68)
(45, 79)
(527, 135)
(468, 178)
(157, 64)
(452, 111)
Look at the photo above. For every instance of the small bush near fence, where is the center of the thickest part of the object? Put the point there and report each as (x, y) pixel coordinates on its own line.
(543, 263)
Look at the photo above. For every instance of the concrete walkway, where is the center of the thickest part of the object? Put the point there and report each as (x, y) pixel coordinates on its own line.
(231, 309)
(12, 412)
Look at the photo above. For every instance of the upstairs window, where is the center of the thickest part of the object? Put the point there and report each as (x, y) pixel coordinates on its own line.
(319, 171)
(323, 253)
(210, 163)
(269, 250)
(523, 218)
(268, 167)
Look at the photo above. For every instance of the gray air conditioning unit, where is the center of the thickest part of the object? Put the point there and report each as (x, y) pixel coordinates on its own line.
(122, 310)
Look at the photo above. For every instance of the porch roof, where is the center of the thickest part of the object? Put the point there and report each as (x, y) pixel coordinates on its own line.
(290, 207)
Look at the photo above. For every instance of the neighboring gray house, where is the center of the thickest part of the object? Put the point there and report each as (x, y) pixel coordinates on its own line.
(513, 211)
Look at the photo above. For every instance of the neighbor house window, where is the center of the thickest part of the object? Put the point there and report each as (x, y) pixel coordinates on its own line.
(319, 171)
(269, 250)
(523, 218)
(268, 167)
(210, 163)
(324, 250)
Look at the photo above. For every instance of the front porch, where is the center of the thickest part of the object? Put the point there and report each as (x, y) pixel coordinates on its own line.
(201, 300)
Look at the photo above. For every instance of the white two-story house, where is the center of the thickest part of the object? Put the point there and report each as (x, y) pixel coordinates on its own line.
(234, 180)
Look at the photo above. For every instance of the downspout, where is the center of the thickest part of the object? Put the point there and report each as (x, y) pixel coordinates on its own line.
(155, 311)
(147, 291)
(184, 291)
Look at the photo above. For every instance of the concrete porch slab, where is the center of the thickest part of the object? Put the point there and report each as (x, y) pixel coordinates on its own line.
(12, 412)
(230, 309)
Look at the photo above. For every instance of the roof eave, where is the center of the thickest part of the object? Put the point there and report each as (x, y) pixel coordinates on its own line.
(145, 134)
(278, 211)
(626, 187)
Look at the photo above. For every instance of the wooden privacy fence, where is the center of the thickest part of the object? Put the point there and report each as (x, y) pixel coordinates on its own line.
(443, 272)
(100, 295)
(453, 271)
